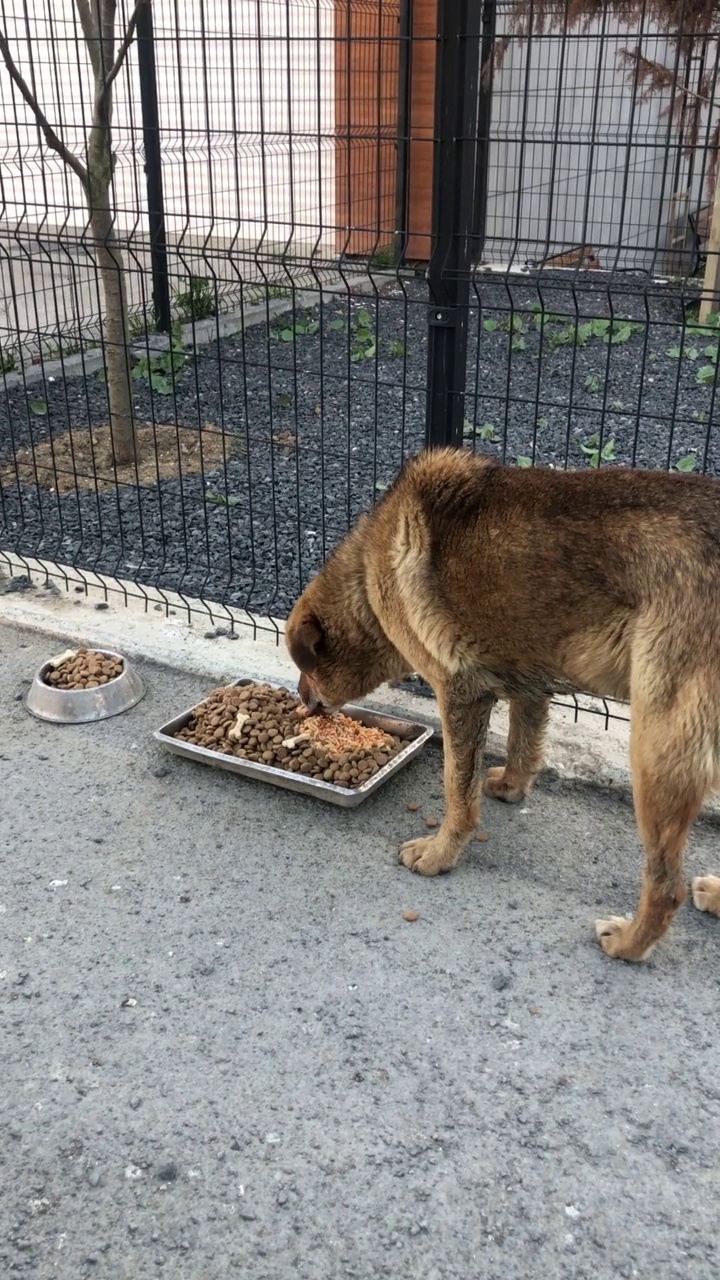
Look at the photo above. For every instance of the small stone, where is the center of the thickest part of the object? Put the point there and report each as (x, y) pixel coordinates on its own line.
(482, 837)
(93, 1176)
(210, 635)
(246, 1213)
(160, 772)
(103, 604)
(168, 1172)
(22, 583)
(282, 1198)
(411, 916)
(233, 635)
(500, 981)
(135, 1102)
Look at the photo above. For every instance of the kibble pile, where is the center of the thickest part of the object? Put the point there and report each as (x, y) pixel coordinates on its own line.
(257, 722)
(85, 669)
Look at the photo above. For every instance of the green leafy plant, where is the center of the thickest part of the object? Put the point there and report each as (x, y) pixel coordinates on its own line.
(490, 325)
(397, 349)
(160, 371)
(613, 331)
(595, 455)
(523, 461)
(487, 432)
(222, 499)
(710, 325)
(197, 302)
(39, 408)
(363, 345)
(384, 257)
(298, 329)
(686, 463)
(689, 353)
(592, 383)
(7, 361)
(336, 326)
(284, 400)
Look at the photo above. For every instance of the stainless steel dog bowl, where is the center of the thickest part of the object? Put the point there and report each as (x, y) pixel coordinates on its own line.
(414, 735)
(82, 706)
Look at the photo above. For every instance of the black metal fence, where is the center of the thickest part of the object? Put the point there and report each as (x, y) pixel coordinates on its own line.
(347, 227)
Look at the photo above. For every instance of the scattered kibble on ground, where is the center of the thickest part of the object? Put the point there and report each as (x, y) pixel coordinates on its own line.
(411, 916)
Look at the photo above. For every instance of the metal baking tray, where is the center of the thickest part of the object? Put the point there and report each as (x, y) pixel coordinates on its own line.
(416, 735)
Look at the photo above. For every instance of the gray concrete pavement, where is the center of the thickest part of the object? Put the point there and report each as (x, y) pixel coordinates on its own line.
(225, 1053)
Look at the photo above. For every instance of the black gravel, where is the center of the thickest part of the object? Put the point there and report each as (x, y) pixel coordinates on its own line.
(319, 434)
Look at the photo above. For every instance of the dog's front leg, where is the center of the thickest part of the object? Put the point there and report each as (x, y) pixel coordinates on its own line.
(465, 724)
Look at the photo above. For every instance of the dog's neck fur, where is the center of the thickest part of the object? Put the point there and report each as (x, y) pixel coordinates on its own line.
(346, 575)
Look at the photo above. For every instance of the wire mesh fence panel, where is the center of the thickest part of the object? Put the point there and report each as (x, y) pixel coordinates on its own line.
(342, 228)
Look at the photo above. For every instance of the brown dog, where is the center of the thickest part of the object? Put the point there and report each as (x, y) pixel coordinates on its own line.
(494, 582)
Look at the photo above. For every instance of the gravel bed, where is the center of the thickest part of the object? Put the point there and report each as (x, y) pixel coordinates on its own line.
(318, 433)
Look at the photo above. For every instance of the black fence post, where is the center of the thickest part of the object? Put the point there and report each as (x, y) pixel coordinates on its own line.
(456, 118)
(484, 120)
(153, 168)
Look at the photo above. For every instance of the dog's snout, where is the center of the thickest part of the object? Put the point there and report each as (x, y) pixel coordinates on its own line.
(308, 695)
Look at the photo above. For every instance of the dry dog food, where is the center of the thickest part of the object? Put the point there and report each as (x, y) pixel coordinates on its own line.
(257, 722)
(82, 669)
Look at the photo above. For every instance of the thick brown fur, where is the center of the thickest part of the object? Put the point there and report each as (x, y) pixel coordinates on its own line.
(494, 582)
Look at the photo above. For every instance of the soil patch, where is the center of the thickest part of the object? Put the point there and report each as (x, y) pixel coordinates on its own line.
(83, 459)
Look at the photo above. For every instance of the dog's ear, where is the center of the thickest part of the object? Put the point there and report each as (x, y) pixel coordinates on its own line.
(306, 643)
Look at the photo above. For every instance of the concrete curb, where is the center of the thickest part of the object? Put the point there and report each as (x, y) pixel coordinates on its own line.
(162, 627)
(200, 333)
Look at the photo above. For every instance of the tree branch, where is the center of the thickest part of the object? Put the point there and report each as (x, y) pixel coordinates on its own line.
(92, 36)
(51, 137)
(127, 41)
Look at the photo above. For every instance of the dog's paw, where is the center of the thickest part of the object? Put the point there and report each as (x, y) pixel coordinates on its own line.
(616, 937)
(499, 787)
(427, 856)
(706, 894)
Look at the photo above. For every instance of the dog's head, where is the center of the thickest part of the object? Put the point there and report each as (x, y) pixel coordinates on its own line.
(335, 639)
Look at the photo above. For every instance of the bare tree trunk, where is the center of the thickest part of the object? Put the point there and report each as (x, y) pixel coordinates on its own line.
(108, 255)
(117, 339)
(97, 18)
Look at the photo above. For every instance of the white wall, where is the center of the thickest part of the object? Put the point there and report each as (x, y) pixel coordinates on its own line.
(594, 167)
(241, 183)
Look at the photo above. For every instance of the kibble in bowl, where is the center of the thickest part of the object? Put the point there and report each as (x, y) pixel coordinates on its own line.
(83, 685)
(82, 669)
(264, 732)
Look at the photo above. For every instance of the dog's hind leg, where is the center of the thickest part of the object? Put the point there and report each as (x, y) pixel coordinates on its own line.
(465, 723)
(706, 894)
(526, 736)
(672, 754)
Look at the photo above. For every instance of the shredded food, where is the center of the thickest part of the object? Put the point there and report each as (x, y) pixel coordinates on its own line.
(341, 733)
